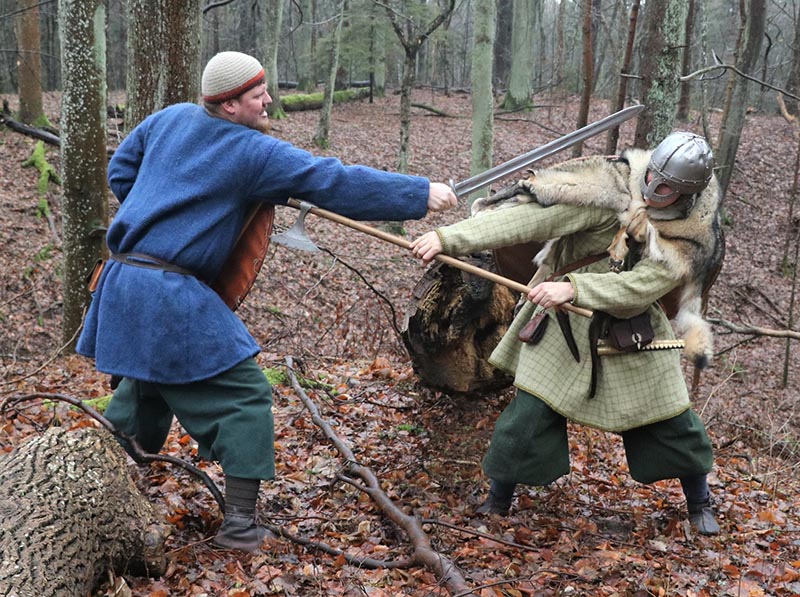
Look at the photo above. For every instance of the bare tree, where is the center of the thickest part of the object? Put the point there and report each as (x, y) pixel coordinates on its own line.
(685, 96)
(752, 14)
(324, 124)
(411, 36)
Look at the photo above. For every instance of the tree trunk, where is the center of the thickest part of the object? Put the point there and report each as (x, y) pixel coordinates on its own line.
(662, 30)
(523, 64)
(453, 326)
(613, 134)
(163, 56)
(685, 96)
(29, 65)
(70, 512)
(482, 95)
(83, 152)
(306, 77)
(733, 115)
(588, 68)
(324, 124)
(273, 19)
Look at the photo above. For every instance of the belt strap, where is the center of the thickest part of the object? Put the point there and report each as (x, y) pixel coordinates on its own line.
(149, 262)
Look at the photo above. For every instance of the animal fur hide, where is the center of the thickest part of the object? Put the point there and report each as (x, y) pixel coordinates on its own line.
(686, 235)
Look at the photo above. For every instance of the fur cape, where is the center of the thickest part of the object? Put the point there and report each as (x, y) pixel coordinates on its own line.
(686, 236)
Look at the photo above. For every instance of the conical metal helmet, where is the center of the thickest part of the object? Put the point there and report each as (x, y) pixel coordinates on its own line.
(684, 162)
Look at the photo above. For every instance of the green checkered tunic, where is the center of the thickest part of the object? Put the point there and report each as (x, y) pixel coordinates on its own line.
(633, 389)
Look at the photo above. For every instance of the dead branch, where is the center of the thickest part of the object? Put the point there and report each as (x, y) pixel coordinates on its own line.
(723, 66)
(444, 569)
(754, 330)
(436, 111)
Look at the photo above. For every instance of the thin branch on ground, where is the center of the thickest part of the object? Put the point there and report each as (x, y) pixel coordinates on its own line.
(444, 569)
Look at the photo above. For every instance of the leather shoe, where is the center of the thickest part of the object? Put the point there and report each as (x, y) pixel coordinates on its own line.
(242, 533)
(702, 519)
(494, 506)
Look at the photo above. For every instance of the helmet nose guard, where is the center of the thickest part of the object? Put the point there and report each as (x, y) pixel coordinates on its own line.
(683, 161)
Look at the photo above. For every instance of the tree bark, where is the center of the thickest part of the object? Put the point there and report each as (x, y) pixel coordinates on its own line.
(69, 512)
(753, 22)
(613, 134)
(662, 29)
(163, 56)
(456, 321)
(29, 64)
(588, 68)
(83, 152)
(482, 93)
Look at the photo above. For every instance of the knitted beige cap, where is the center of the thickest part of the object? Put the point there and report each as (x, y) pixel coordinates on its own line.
(228, 75)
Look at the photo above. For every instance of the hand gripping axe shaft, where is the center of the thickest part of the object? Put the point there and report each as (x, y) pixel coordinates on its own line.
(296, 238)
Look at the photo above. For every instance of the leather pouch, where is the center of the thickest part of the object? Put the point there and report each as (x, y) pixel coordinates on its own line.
(630, 335)
(94, 276)
(533, 331)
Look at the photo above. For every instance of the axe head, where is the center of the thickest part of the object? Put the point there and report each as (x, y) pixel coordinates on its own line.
(296, 237)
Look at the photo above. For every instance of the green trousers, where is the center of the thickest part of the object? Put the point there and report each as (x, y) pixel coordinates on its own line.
(529, 445)
(229, 416)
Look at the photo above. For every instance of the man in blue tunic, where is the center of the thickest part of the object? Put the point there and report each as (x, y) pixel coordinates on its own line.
(186, 178)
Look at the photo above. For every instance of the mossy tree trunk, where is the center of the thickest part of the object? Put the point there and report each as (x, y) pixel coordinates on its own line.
(663, 28)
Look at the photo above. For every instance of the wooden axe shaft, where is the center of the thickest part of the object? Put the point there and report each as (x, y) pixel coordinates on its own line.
(446, 259)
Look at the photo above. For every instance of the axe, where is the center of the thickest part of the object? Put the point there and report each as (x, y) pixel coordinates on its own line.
(296, 238)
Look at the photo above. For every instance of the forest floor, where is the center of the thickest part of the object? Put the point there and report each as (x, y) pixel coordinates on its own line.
(593, 532)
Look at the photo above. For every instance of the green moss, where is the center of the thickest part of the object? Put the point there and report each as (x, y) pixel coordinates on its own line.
(46, 171)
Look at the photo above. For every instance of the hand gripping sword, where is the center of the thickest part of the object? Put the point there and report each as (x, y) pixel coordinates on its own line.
(484, 179)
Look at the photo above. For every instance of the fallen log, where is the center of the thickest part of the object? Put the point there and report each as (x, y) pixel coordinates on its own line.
(313, 101)
(69, 512)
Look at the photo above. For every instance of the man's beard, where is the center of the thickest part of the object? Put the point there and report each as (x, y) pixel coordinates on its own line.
(263, 126)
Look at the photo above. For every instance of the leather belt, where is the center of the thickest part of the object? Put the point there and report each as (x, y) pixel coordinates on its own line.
(149, 262)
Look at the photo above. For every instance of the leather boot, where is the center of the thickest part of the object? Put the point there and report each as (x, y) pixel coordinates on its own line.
(702, 519)
(242, 533)
(239, 529)
(499, 500)
(698, 502)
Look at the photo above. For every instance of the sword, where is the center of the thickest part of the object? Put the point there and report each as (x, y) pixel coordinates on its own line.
(484, 179)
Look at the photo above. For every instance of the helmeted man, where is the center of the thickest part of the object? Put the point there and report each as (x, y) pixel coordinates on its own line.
(186, 178)
(642, 394)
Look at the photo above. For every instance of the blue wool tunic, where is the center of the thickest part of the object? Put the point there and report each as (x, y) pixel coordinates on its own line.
(186, 181)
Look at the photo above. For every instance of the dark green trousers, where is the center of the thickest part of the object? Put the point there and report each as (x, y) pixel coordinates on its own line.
(229, 416)
(529, 445)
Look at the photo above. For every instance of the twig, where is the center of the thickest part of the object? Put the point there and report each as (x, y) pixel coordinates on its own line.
(722, 65)
(139, 455)
(423, 554)
(754, 330)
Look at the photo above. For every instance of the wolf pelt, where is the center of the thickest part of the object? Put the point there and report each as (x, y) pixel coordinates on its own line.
(686, 235)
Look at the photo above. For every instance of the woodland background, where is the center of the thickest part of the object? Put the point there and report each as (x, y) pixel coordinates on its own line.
(595, 532)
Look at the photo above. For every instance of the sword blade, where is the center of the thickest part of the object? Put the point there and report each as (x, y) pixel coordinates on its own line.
(484, 179)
